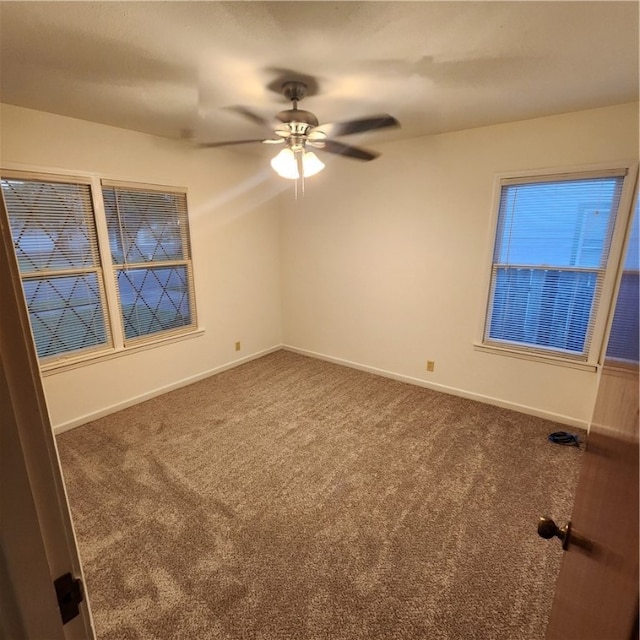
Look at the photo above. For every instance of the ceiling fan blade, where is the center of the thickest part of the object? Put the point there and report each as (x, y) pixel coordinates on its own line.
(250, 115)
(333, 146)
(348, 127)
(208, 145)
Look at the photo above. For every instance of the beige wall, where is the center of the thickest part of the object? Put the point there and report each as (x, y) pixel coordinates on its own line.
(235, 241)
(384, 264)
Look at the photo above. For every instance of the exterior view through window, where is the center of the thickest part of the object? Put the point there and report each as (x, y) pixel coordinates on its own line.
(549, 263)
(65, 267)
(624, 344)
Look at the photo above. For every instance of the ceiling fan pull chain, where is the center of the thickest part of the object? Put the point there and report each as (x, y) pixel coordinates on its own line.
(300, 165)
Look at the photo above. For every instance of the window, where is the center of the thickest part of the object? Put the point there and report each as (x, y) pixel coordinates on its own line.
(624, 346)
(550, 260)
(71, 278)
(54, 235)
(151, 257)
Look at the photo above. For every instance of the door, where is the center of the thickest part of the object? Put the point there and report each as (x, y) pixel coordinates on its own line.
(597, 589)
(596, 594)
(37, 542)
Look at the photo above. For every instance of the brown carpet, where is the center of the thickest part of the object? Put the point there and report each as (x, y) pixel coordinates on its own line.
(294, 498)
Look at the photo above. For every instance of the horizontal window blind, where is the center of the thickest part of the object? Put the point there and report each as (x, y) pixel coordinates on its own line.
(550, 257)
(54, 235)
(624, 338)
(149, 241)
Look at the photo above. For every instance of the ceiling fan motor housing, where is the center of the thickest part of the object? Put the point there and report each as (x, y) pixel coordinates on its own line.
(294, 117)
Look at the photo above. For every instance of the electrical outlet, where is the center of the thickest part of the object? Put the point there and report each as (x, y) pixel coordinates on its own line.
(237, 346)
(431, 365)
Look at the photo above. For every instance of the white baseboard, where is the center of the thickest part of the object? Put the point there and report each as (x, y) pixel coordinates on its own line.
(532, 411)
(555, 417)
(89, 417)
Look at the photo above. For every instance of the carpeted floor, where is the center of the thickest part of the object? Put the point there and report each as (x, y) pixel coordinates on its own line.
(294, 498)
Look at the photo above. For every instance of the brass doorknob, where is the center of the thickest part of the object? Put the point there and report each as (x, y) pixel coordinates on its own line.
(548, 529)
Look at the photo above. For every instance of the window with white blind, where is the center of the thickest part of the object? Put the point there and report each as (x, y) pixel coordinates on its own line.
(550, 260)
(149, 242)
(54, 235)
(72, 275)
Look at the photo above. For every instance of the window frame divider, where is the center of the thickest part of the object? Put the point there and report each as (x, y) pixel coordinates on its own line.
(111, 294)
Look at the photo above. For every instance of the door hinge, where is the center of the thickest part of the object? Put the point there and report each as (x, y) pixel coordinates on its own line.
(69, 592)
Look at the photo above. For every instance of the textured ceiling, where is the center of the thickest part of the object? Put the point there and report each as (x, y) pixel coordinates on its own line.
(170, 67)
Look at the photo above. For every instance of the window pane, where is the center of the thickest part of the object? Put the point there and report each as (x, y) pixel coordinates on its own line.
(624, 339)
(52, 224)
(66, 313)
(543, 307)
(559, 224)
(155, 299)
(145, 226)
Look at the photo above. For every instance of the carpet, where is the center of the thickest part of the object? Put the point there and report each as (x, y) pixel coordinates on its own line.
(294, 498)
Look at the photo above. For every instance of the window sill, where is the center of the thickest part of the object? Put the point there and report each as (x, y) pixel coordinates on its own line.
(82, 361)
(620, 367)
(536, 357)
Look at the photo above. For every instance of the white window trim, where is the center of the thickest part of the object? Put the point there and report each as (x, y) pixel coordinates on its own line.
(116, 346)
(522, 354)
(595, 355)
(75, 362)
(111, 292)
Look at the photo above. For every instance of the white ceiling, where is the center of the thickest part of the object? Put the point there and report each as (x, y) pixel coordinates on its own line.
(170, 67)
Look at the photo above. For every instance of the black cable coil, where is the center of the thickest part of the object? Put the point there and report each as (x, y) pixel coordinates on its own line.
(564, 437)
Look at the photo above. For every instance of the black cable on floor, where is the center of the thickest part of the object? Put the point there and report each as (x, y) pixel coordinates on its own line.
(564, 437)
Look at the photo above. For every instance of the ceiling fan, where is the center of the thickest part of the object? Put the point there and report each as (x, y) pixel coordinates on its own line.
(299, 132)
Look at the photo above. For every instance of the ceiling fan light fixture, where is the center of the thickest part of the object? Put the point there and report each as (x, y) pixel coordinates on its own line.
(311, 164)
(285, 164)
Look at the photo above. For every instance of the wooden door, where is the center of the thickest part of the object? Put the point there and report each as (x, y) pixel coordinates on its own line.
(37, 542)
(596, 594)
(597, 590)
